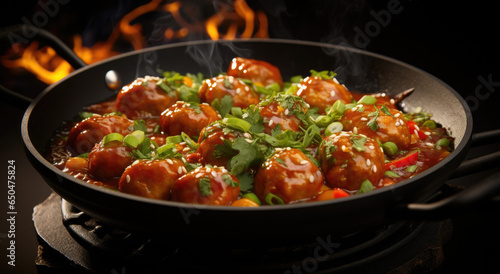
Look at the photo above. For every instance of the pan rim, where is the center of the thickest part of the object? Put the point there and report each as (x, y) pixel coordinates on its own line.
(459, 148)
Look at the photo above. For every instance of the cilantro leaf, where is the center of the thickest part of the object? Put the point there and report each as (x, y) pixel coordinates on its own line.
(140, 124)
(358, 142)
(248, 155)
(246, 181)
(229, 181)
(204, 186)
(224, 105)
(252, 115)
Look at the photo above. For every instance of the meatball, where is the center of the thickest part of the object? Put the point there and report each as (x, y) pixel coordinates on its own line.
(108, 161)
(282, 110)
(210, 138)
(151, 178)
(189, 118)
(321, 93)
(290, 175)
(218, 87)
(144, 98)
(348, 159)
(208, 186)
(259, 72)
(90, 131)
(378, 122)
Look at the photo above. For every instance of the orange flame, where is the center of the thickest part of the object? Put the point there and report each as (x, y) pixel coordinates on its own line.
(238, 21)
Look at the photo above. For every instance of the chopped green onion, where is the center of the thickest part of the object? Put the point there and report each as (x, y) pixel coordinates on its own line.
(112, 137)
(391, 174)
(236, 111)
(277, 200)
(296, 79)
(430, 124)
(443, 142)
(390, 148)
(333, 128)
(173, 139)
(367, 100)
(134, 139)
(412, 168)
(237, 123)
(349, 106)
(273, 87)
(365, 187)
(85, 114)
(192, 144)
(252, 197)
(337, 108)
(323, 120)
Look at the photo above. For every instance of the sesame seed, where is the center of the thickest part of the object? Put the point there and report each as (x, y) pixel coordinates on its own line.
(299, 92)
(336, 81)
(364, 119)
(311, 178)
(247, 135)
(397, 123)
(417, 128)
(170, 161)
(245, 115)
(303, 162)
(238, 90)
(248, 140)
(343, 148)
(332, 93)
(427, 133)
(208, 169)
(186, 149)
(355, 130)
(247, 88)
(127, 178)
(135, 162)
(288, 148)
(197, 175)
(230, 79)
(182, 143)
(392, 101)
(287, 112)
(374, 168)
(271, 123)
(397, 114)
(368, 162)
(318, 173)
(371, 147)
(179, 170)
(213, 173)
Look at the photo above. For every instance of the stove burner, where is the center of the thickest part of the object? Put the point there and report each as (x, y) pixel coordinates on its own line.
(89, 246)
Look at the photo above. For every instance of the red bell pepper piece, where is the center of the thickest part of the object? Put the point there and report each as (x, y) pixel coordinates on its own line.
(408, 160)
(412, 126)
(332, 194)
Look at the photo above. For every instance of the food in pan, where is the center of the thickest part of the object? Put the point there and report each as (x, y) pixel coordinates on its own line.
(247, 138)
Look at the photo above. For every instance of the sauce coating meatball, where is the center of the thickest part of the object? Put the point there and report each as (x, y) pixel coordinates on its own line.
(144, 98)
(222, 85)
(108, 161)
(189, 118)
(347, 160)
(151, 178)
(321, 93)
(282, 110)
(210, 138)
(90, 131)
(290, 175)
(257, 71)
(208, 186)
(378, 122)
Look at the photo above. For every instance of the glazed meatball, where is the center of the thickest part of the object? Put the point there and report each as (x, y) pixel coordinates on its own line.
(378, 122)
(321, 93)
(208, 186)
(290, 175)
(151, 178)
(189, 118)
(144, 98)
(108, 161)
(90, 131)
(218, 87)
(348, 159)
(210, 138)
(259, 72)
(282, 110)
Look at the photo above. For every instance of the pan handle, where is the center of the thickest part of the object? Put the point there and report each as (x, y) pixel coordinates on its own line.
(25, 33)
(484, 193)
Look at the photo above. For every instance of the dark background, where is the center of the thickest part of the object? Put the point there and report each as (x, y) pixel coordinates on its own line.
(456, 42)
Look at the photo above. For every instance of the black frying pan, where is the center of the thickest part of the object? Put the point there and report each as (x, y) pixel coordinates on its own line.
(359, 70)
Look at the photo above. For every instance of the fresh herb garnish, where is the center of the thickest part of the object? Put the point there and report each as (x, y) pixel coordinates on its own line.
(204, 186)
(229, 181)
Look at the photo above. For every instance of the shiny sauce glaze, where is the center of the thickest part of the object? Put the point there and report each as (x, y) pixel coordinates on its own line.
(246, 138)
